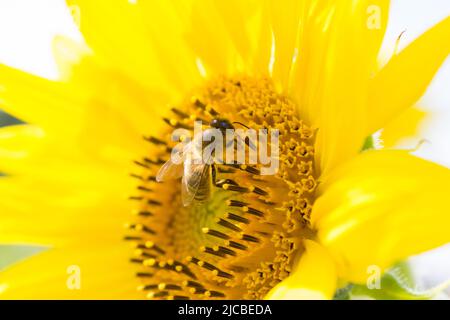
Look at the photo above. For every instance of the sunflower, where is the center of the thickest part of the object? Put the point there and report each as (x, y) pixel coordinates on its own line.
(98, 136)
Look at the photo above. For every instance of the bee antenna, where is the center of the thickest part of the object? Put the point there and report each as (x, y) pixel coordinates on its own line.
(241, 124)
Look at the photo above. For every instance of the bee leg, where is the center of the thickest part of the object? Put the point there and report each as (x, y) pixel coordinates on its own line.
(213, 175)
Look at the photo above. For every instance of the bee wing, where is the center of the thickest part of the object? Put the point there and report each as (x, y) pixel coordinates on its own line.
(192, 178)
(190, 185)
(171, 170)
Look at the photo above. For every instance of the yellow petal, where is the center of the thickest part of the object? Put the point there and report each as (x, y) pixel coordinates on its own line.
(48, 275)
(285, 21)
(18, 141)
(118, 109)
(67, 54)
(407, 75)
(380, 208)
(234, 15)
(143, 44)
(313, 278)
(404, 127)
(227, 36)
(102, 113)
(262, 34)
(54, 213)
(44, 101)
(25, 151)
(338, 38)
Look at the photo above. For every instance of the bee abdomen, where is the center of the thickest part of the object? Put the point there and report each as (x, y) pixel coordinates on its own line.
(204, 188)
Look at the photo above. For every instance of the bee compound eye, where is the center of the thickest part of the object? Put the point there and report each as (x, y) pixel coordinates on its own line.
(214, 123)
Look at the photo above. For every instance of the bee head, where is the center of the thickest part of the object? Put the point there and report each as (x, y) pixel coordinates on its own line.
(221, 124)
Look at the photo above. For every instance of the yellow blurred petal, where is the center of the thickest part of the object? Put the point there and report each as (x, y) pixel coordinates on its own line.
(68, 117)
(18, 141)
(118, 109)
(68, 53)
(94, 119)
(47, 275)
(313, 278)
(405, 126)
(380, 208)
(25, 151)
(141, 42)
(40, 101)
(406, 77)
(49, 212)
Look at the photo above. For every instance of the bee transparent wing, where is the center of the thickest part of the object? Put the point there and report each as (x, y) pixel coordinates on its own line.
(192, 179)
(171, 170)
(190, 184)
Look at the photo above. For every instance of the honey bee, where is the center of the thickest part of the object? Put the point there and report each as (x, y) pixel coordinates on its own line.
(198, 177)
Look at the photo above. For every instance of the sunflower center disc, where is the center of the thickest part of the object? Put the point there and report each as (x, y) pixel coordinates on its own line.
(243, 239)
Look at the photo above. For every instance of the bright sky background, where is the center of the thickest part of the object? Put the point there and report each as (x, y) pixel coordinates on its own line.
(28, 26)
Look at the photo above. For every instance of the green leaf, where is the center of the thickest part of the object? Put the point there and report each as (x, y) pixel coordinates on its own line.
(11, 254)
(396, 284)
(369, 144)
(344, 293)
